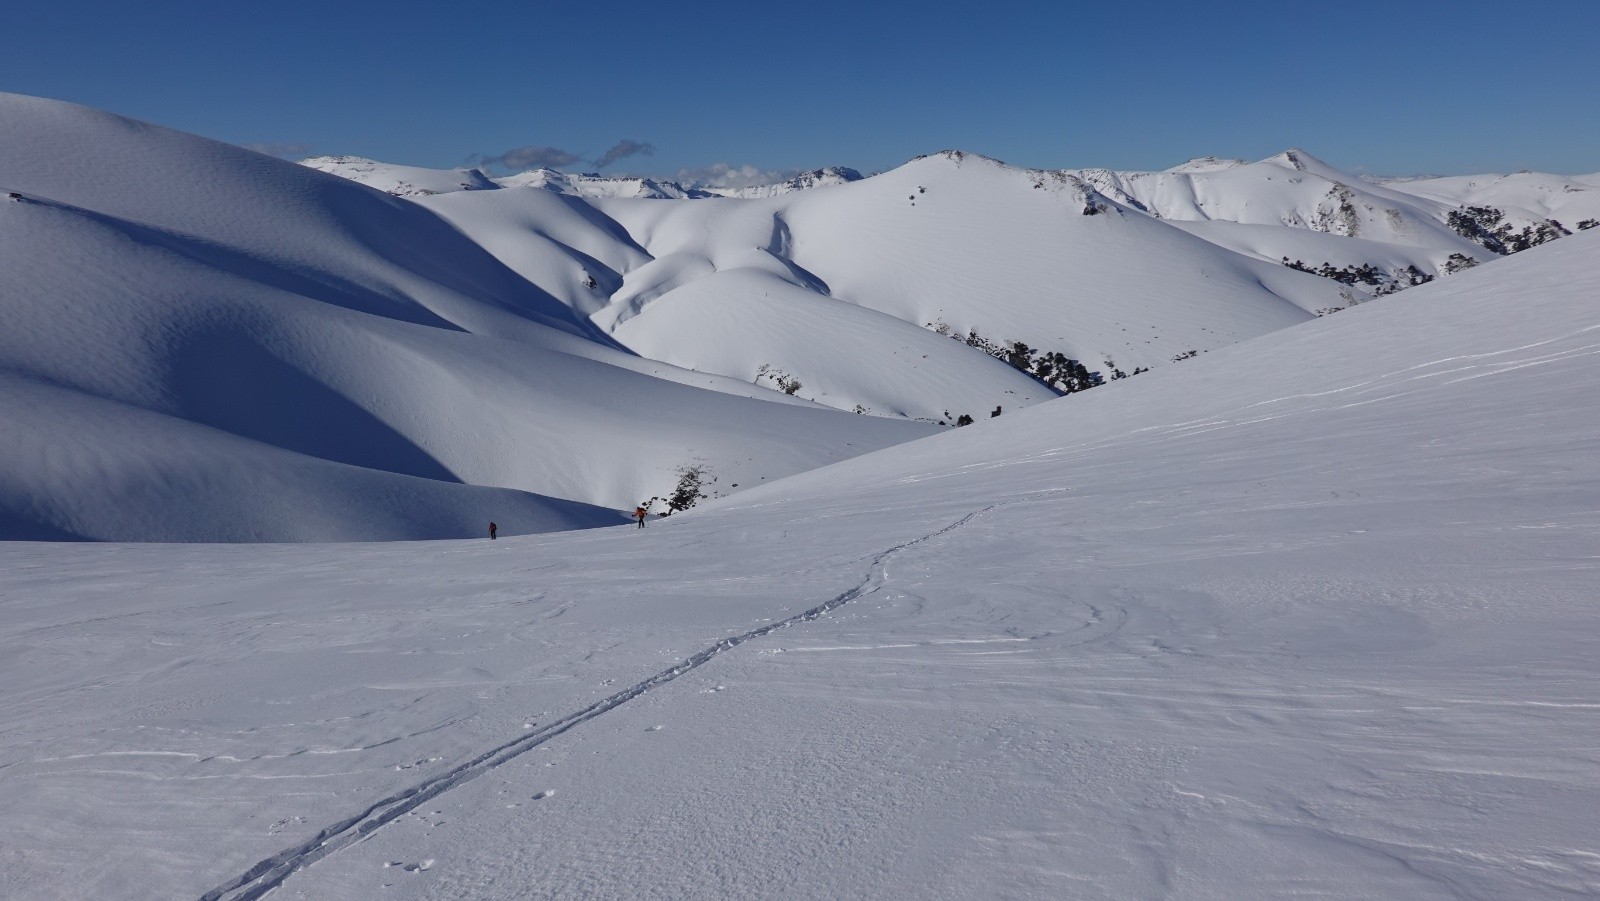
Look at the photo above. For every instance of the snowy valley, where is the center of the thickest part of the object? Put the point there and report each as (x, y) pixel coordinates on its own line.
(245, 349)
(1298, 600)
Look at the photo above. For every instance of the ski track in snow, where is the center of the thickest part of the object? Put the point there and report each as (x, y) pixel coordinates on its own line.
(273, 871)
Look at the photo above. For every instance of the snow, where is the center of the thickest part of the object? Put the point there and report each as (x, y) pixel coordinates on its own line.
(1524, 196)
(402, 181)
(238, 348)
(1292, 190)
(793, 281)
(589, 185)
(1308, 615)
(209, 344)
(805, 181)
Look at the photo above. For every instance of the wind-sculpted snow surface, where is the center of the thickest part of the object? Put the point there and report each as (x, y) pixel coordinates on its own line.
(204, 343)
(1265, 624)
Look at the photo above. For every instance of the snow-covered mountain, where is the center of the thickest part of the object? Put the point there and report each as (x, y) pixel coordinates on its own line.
(805, 181)
(1295, 208)
(1291, 209)
(205, 343)
(241, 348)
(850, 296)
(401, 181)
(592, 185)
(1523, 197)
(955, 242)
(413, 181)
(1310, 616)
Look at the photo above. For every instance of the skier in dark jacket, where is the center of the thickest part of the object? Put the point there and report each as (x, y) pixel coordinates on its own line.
(492, 529)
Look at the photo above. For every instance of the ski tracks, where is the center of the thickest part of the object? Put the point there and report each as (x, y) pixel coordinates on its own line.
(271, 872)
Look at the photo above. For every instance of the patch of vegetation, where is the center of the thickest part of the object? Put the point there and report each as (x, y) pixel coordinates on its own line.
(1053, 369)
(1337, 213)
(1409, 277)
(1365, 274)
(690, 488)
(1487, 227)
(1116, 373)
(784, 382)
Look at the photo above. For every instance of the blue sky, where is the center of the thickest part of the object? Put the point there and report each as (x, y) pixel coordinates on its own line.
(1403, 86)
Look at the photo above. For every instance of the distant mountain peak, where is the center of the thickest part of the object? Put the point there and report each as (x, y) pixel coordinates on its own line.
(591, 184)
(1298, 159)
(804, 181)
(1208, 164)
(401, 181)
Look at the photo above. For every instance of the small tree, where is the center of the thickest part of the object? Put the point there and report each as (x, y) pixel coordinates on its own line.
(786, 383)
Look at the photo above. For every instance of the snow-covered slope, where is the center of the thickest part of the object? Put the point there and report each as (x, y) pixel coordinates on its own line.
(952, 239)
(402, 181)
(1524, 197)
(1292, 189)
(835, 295)
(805, 181)
(572, 345)
(591, 185)
(608, 186)
(205, 343)
(1267, 623)
(777, 291)
(1298, 208)
(749, 315)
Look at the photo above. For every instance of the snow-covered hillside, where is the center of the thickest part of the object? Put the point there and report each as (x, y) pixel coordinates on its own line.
(238, 348)
(1524, 197)
(204, 343)
(1296, 209)
(401, 181)
(1311, 615)
(1000, 266)
(839, 291)
(592, 185)
(774, 291)
(412, 181)
(805, 181)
